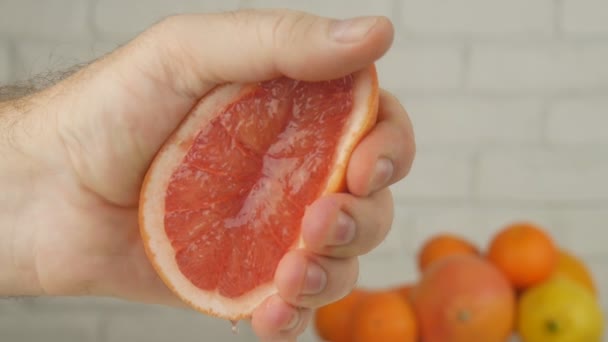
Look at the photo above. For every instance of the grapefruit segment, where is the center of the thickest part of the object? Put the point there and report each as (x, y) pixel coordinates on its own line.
(224, 198)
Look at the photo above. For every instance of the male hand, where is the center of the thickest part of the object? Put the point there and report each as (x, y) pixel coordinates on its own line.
(82, 148)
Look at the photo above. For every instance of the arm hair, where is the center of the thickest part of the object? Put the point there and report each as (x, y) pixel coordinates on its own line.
(36, 84)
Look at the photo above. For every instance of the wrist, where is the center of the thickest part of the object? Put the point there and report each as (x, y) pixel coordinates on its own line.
(19, 178)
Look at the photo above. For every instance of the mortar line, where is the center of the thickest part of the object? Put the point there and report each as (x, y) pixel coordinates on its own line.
(12, 60)
(544, 122)
(557, 19)
(467, 64)
(475, 161)
(397, 7)
(91, 27)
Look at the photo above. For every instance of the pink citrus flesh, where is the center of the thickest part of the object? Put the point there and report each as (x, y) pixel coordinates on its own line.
(224, 198)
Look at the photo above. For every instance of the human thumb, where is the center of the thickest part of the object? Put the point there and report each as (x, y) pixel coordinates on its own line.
(192, 53)
(126, 105)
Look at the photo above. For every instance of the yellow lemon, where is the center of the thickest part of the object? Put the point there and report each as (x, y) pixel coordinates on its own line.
(559, 310)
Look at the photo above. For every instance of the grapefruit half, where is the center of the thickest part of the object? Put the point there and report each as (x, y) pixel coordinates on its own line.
(223, 199)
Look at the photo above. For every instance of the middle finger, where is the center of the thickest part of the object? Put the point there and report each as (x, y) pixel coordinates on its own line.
(342, 225)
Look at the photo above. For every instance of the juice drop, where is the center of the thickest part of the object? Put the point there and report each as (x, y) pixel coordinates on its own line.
(235, 328)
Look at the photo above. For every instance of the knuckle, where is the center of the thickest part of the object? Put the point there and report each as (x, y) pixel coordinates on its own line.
(289, 26)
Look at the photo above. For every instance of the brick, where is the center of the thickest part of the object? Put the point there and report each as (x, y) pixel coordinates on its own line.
(414, 66)
(53, 19)
(472, 121)
(166, 324)
(575, 66)
(584, 232)
(584, 16)
(436, 175)
(478, 17)
(383, 271)
(51, 327)
(127, 18)
(332, 9)
(36, 57)
(578, 121)
(5, 64)
(544, 175)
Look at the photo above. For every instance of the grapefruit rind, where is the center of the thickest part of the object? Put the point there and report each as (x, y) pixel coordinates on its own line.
(157, 245)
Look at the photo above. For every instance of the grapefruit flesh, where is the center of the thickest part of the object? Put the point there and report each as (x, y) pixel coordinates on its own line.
(224, 198)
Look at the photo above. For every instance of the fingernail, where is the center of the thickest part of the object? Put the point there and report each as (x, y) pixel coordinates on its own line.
(345, 230)
(315, 279)
(382, 173)
(293, 321)
(351, 30)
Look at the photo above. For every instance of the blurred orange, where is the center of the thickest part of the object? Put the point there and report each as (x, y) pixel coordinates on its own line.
(405, 291)
(525, 253)
(384, 316)
(441, 246)
(332, 321)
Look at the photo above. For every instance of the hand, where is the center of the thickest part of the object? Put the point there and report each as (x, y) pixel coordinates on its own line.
(85, 145)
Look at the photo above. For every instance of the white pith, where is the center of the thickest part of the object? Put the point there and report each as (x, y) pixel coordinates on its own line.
(152, 220)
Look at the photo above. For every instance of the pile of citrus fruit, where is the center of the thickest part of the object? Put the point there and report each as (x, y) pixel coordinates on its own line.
(523, 284)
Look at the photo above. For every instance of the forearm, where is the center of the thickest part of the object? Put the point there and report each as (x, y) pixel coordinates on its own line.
(18, 274)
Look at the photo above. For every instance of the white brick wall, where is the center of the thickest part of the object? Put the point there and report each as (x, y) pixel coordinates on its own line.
(477, 221)
(544, 175)
(36, 57)
(584, 16)
(578, 121)
(422, 67)
(539, 67)
(334, 8)
(469, 121)
(117, 18)
(438, 175)
(5, 60)
(52, 19)
(509, 100)
(478, 17)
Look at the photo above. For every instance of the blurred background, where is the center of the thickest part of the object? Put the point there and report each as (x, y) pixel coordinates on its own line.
(509, 101)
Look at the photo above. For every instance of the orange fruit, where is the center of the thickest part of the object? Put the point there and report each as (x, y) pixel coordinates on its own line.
(570, 266)
(383, 316)
(405, 291)
(525, 253)
(224, 198)
(464, 298)
(441, 246)
(332, 321)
